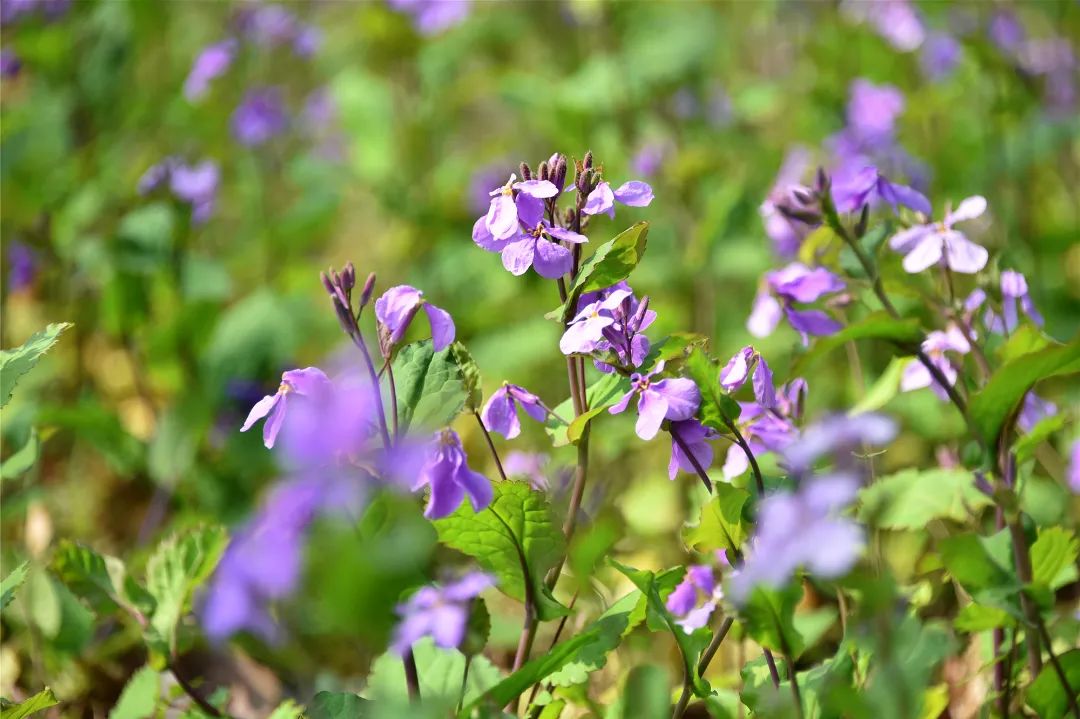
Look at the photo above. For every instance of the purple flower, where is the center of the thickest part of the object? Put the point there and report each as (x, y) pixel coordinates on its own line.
(1034, 410)
(309, 382)
(632, 194)
(611, 320)
(648, 158)
(529, 465)
(696, 437)
(10, 64)
(213, 62)
(737, 371)
(1073, 476)
(795, 283)
(872, 111)
(838, 436)
(450, 478)
(1014, 288)
(801, 529)
(433, 16)
(14, 10)
(937, 343)
(502, 217)
(765, 429)
(586, 329)
(696, 597)
(441, 613)
(675, 399)
(259, 116)
(939, 56)
(398, 306)
(786, 232)
(1006, 32)
(895, 20)
(197, 185)
(851, 191)
(534, 241)
(22, 265)
(926, 245)
(500, 412)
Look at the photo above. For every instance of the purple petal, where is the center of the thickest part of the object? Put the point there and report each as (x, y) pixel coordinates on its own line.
(529, 210)
(963, 255)
(442, 326)
(561, 233)
(260, 410)
(601, 200)
(905, 240)
(499, 415)
(682, 397)
(476, 486)
(764, 391)
(621, 405)
(468, 587)
(541, 189)
(812, 322)
(483, 237)
(273, 423)
(446, 496)
(448, 625)
(903, 195)
(765, 315)
(652, 407)
(502, 221)
(682, 599)
(968, 209)
(803, 284)
(552, 261)
(925, 253)
(736, 370)
(517, 257)
(310, 381)
(634, 194)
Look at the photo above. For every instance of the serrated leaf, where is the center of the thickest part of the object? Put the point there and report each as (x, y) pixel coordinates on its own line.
(42, 700)
(16, 362)
(470, 375)
(13, 581)
(1052, 554)
(911, 498)
(612, 626)
(721, 525)
(979, 565)
(431, 388)
(613, 261)
(179, 564)
(139, 698)
(99, 579)
(999, 398)
(875, 326)
(690, 645)
(717, 409)
(601, 394)
(1046, 695)
(516, 529)
(336, 705)
(769, 617)
(22, 459)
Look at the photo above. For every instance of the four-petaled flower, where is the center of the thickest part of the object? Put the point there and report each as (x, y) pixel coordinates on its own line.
(586, 330)
(795, 283)
(737, 371)
(309, 382)
(926, 245)
(632, 194)
(448, 476)
(398, 306)
(917, 375)
(439, 612)
(696, 437)
(534, 241)
(500, 412)
(675, 398)
(504, 212)
(767, 429)
(867, 186)
(696, 597)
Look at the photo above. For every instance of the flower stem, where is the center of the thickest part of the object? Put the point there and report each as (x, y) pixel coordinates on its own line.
(412, 676)
(741, 441)
(693, 460)
(393, 398)
(1070, 695)
(358, 340)
(464, 682)
(490, 444)
(795, 687)
(703, 664)
(201, 702)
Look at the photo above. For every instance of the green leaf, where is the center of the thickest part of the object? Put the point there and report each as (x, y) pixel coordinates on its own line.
(140, 696)
(13, 581)
(769, 617)
(1025, 445)
(991, 407)
(516, 529)
(690, 645)
(1053, 555)
(1025, 340)
(288, 710)
(885, 388)
(336, 705)
(1046, 695)
(42, 700)
(470, 375)
(179, 564)
(911, 498)
(721, 525)
(431, 388)
(17, 362)
(875, 326)
(979, 618)
(600, 395)
(614, 624)
(613, 261)
(99, 579)
(22, 459)
(717, 410)
(440, 671)
(646, 694)
(981, 565)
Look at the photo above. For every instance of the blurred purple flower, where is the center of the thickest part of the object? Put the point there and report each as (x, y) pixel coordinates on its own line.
(801, 529)
(532, 466)
(12, 11)
(259, 116)
(647, 160)
(1073, 472)
(22, 265)
(431, 17)
(398, 306)
(853, 190)
(939, 56)
(1006, 31)
(276, 26)
(795, 283)
(838, 436)
(696, 597)
(10, 64)
(500, 412)
(696, 437)
(481, 181)
(1034, 410)
(786, 232)
(767, 429)
(895, 20)
(936, 344)
(310, 382)
(926, 245)
(213, 62)
(441, 613)
(447, 474)
(734, 375)
(675, 398)
(1014, 288)
(632, 194)
(872, 111)
(195, 184)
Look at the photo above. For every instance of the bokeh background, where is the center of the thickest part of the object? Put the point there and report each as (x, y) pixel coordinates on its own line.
(372, 132)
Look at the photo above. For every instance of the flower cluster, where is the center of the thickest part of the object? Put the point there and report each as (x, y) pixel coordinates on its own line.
(610, 324)
(194, 184)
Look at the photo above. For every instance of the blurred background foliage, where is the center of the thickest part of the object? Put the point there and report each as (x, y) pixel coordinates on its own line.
(180, 326)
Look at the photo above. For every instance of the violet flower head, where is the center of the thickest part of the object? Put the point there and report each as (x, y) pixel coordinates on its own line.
(783, 290)
(851, 191)
(585, 331)
(787, 218)
(649, 157)
(632, 194)
(801, 529)
(213, 62)
(738, 369)
(675, 398)
(532, 466)
(1073, 472)
(22, 265)
(896, 21)
(939, 56)
(500, 412)
(197, 185)
(333, 428)
(872, 111)
(838, 437)
(398, 306)
(696, 437)
(447, 474)
(502, 218)
(431, 17)
(1006, 31)
(1034, 410)
(259, 117)
(310, 382)
(917, 376)
(611, 321)
(439, 612)
(696, 597)
(928, 244)
(1014, 289)
(767, 429)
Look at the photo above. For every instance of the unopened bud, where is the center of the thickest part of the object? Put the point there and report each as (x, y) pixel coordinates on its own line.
(821, 183)
(803, 195)
(793, 213)
(543, 171)
(864, 220)
(526, 173)
(639, 314)
(344, 315)
(348, 277)
(365, 293)
(558, 175)
(327, 284)
(587, 162)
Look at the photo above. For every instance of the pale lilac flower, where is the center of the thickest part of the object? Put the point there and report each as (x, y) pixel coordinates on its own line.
(937, 343)
(502, 219)
(1034, 410)
(500, 412)
(738, 369)
(532, 466)
(535, 242)
(333, 427)
(259, 116)
(449, 478)
(213, 62)
(872, 111)
(310, 382)
(783, 289)
(1014, 288)
(632, 194)
(852, 190)
(926, 245)
(275, 26)
(895, 20)
(696, 597)
(197, 184)
(22, 265)
(767, 429)
(676, 398)
(624, 335)
(398, 306)
(1006, 32)
(786, 232)
(801, 529)
(1073, 473)
(586, 329)
(939, 56)
(838, 436)
(439, 612)
(433, 16)
(696, 437)
(649, 157)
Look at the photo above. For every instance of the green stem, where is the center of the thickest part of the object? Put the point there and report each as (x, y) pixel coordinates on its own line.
(490, 444)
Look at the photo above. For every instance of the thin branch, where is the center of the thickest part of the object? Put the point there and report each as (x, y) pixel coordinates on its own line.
(199, 700)
(1070, 695)
(412, 676)
(490, 444)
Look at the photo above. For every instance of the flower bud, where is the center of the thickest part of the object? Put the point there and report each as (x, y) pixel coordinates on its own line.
(327, 284)
(365, 293)
(348, 277)
(587, 162)
(639, 315)
(558, 175)
(543, 171)
(864, 219)
(803, 195)
(526, 173)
